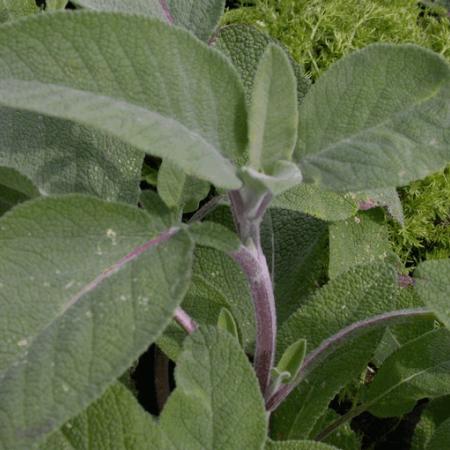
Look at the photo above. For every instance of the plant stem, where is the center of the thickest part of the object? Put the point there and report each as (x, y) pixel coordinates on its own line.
(251, 259)
(185, 320)
(208, 207)
(166, 10)
(328, 346)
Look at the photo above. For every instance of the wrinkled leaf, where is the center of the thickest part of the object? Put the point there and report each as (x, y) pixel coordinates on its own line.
(227, 323)
(298, 445)
(292, 359)
(214, 235)
(15, 9)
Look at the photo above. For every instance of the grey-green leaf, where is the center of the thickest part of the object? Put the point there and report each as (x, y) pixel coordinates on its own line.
(15, 9)
(55, 4)
(441, 437)
(419, 369)
(62, 157)
(433, 285)
(292, 358)
(227, 323)
(273, 112)
(198, 16)
(214, 235)
(178, 190)
(143, 7)
(93, 283)
(119, 73)
(298, 445)
(377, 118)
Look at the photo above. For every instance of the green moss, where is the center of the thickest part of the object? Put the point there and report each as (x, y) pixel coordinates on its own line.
(319, 32)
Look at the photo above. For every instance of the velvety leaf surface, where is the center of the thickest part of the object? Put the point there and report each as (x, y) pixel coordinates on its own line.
(314, 201)
(357, 240)
(436, 412)
(198, 16)
(179, 190)
(217, 403)
(143, 7)
(417, 370)
(245, 45)
(362, 292)
(273, 112)
(121, 74)
(433, 286)
(52, 5)
(295, 245)
(61, 157)
(14, 189)
(441, 437)
(386, 197)
(15, 9)
(92, 288)
(214, 235)
(377, 118)
(298, 445)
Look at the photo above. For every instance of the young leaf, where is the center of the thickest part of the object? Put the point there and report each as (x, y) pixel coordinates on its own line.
(143, 7)
(62, 157)
(244, 45)
(273, 112)
(376, 119)
(55, 4)
(358, 240)
(15, 9)
(179, 190)
(227, 323)
(70, 66)
(316, 202)
(292, 359)
(198, 16)
(417, 370)
(433, 286)
(14, 189)
(298, 445)
(94, 283)
(214, 235)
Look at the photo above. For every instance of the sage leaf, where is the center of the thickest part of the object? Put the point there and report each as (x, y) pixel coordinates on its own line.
(432, 282)
(441, 437)
(83, 273)
(198, 16)
(55, 4)
(417, 370)
(214, 235)
(15, 9)
(227, 323)
(273, 112)
(50, 65)
(386, 197)
(292, 359)
(62, 157)
(298, 445)
(376, 119)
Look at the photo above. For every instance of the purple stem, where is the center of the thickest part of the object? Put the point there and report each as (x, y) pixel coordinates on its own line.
(329, 345)
(166, 10)
(185, 320)
(208, 207)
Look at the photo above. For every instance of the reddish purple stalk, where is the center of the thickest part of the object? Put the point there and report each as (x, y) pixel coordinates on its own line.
(185, 321)
(166, 10)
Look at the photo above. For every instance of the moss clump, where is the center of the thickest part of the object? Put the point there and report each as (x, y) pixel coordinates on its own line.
(319, 32)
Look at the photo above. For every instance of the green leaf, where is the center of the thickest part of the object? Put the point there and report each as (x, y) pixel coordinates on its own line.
(70, 66)
(273, 112)
(143, 7)
(296, 248)
(360, 293)
(314, 201)
(244, 45)
(358, 240)
(55, 4)
(15, 9)
(198, 16)
(179, 190)
(376, 119)
(433, 286)
(227, 323)
(386, 197)
(83, 273)
(206, 410)
(61, 157)
(14, 189)
(436, 412)
(441, 437)
(114, 421)
(292, 359)
(419, 369)
(155, 207)
(298, 445)
(214, 235)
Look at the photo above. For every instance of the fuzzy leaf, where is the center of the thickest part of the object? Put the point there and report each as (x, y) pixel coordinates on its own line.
(312, 200)
(198, 16)
(298, 445)
(441, 437)
(273, 113)
(358, 240)
(15, 9)
(82, 273)
(377, 118)
(386, 197)
(417, 370)
(244, 45)
(55, 4)
(227, 323)
(292, 359)
(14, 189)
(61, 157)
(179, 190)
(214, 235)
(143, 7)
(71, 66)
(433, 286)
